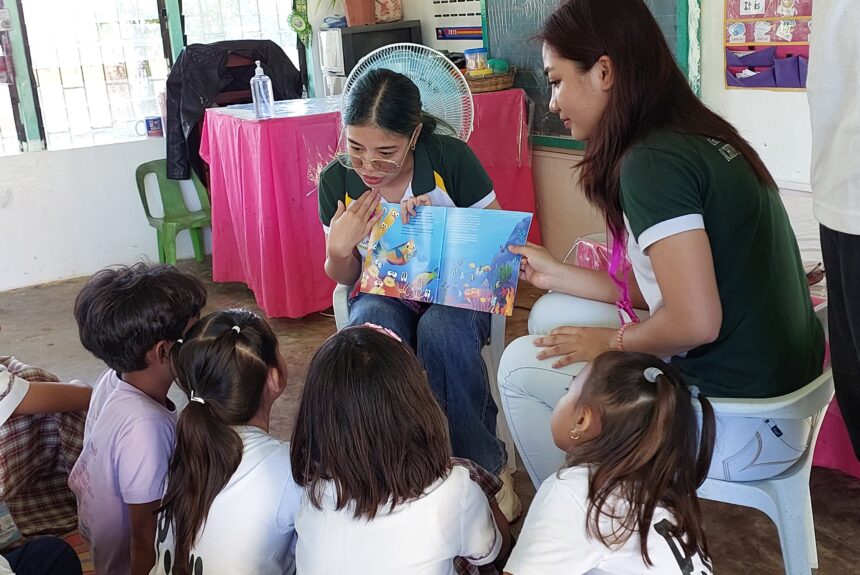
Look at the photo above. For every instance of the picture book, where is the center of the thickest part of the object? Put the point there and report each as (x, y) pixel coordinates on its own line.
(450, 256)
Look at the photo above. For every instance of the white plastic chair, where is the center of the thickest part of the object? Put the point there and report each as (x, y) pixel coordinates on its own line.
(492, 354)
(784, 498)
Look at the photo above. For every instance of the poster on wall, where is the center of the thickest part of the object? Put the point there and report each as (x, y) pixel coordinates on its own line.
(767, 43)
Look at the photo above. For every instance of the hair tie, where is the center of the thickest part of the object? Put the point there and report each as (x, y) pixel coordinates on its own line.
(652, 373)
(236, 329)
(694, 391)
(384, 330)
(197, 398)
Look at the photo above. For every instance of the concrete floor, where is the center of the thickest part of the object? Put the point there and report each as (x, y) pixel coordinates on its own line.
(36, 325)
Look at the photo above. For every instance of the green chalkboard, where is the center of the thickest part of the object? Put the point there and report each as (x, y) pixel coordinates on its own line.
(510, 25)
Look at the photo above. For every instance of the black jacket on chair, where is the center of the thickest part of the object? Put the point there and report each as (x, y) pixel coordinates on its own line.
(200, 74)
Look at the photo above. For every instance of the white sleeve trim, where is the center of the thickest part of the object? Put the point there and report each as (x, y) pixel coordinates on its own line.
(494, 551)
(485, 201)
(668, 228)
(12, 392)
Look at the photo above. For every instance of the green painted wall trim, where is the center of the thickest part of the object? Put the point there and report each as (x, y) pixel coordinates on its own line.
(174, 27)
(558, 142)
(23, 80)
(309, 58)
(682, 42)
(484, 28)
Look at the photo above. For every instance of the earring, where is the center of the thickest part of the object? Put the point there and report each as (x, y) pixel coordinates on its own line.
(575, 435)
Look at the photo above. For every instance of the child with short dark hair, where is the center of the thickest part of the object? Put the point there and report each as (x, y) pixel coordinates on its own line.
(625, 501)
(371, 448)
(231, 501)
(129, 317)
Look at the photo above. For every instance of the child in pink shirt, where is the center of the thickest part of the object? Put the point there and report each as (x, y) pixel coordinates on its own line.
(130, 318)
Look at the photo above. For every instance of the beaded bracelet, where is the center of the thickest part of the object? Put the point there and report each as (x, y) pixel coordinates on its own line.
(619, 336)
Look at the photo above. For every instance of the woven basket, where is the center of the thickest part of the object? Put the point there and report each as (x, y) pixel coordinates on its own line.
(492, 83)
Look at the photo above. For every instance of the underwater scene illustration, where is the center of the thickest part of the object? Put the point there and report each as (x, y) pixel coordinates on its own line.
(450, 256)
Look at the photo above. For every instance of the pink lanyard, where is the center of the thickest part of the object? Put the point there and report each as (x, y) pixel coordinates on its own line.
(619, 266)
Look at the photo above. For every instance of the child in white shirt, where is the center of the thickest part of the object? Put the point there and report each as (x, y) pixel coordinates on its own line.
(231, 500)
(371, 447)
(625, 503)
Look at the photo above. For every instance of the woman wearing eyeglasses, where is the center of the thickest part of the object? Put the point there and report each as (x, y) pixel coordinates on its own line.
(391, 154)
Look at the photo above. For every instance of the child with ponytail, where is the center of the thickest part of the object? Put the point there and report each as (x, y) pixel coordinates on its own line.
(231, 501)
(625, 501)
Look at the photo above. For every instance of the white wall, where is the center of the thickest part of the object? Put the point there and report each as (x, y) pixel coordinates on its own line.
(69, 213)
(775, 123)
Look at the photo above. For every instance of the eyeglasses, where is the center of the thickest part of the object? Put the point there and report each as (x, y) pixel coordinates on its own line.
(381, 165)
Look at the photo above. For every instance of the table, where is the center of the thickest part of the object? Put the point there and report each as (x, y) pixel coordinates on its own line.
(263, 175)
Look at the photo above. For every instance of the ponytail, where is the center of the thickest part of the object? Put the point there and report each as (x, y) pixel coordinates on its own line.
(649, 451)
(707, 438)
(429, 123)
(223, 365)
(208, 451)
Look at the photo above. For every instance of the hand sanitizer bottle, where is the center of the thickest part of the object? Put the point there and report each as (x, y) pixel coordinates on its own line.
(261, 92)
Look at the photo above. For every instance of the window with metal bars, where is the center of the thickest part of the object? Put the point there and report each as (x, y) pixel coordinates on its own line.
(98, 66)
(208, 21)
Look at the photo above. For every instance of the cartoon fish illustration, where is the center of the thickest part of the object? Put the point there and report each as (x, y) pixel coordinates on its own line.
(420, 281)
(399, 255)
(377, 288)
(384, 225)
(483, 269)
(472, 293)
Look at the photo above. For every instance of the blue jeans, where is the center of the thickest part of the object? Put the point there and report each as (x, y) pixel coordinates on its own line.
(448, 342)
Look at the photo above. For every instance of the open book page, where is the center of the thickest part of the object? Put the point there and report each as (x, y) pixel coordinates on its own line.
(403, 260)
(478, 270)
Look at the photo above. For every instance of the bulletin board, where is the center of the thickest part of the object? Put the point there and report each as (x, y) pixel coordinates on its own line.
(767, 43)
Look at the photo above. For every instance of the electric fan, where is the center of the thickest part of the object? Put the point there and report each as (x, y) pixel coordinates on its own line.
(444, 91)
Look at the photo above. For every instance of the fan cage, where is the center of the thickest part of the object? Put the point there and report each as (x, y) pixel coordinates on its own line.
(444, 91)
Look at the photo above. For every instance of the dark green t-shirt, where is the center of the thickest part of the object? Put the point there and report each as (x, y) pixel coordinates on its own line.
(445, 168)
(770, 342)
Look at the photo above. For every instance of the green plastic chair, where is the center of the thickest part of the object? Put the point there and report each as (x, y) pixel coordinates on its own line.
(176, 215)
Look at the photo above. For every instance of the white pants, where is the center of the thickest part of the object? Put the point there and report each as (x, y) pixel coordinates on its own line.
(746, 448)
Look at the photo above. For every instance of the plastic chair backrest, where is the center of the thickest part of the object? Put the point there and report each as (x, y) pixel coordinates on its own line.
(808, 401)
(171, 193)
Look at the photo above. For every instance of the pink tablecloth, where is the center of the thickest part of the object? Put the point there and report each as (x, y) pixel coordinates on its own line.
(266, 231)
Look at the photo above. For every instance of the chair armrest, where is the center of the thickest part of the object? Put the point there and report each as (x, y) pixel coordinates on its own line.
(340, 303)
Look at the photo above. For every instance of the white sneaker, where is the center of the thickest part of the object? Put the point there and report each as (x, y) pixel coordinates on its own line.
(508, 500)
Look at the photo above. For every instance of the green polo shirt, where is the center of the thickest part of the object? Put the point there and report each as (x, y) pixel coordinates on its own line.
(770, 342)
(445, 168)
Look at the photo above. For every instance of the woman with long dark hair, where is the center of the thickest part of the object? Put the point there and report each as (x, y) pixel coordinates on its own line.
(231, 500)
(390, 152)
(714, 258)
